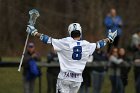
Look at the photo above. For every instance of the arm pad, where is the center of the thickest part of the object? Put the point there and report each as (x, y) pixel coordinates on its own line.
(44, 38)
(101, 43)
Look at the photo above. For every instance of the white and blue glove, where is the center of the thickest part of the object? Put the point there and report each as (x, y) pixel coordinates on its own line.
(31, 30)
(112, 35)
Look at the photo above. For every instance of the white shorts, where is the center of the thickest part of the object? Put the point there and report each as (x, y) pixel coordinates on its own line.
(65, 86)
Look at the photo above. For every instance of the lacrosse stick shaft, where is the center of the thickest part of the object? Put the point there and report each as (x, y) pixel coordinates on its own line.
(34, 14)
(21, 60)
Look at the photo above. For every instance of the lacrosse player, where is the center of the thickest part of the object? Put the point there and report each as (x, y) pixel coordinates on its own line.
(73, 53)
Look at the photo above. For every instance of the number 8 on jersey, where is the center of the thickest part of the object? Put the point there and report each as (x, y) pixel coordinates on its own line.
(77, 53)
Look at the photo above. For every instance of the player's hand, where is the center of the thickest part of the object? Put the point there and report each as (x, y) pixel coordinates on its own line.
(112, 35)
(31, 30)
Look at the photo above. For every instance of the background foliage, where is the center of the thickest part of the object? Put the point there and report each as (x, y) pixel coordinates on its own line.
(55, 17)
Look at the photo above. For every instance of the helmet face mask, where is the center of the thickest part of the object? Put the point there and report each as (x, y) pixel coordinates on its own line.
(74, 27)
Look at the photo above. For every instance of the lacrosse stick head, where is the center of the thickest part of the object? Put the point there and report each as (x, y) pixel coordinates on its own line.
(34, 14)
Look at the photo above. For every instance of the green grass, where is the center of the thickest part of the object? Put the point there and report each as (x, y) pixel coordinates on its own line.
(129, 88)
(9, 59)
(17, 59)
(11, 81)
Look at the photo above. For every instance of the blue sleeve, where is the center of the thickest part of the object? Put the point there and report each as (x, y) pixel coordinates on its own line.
(101, 43)
(118, 20)
(108, 22)
(44, 38)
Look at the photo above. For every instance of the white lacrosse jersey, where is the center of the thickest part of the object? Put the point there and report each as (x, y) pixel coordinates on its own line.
(73, 55)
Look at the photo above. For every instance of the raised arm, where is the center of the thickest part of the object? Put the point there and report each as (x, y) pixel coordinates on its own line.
(32, 31)
(110, 38)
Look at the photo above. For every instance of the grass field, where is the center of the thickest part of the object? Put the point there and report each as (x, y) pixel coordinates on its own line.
(11, 81)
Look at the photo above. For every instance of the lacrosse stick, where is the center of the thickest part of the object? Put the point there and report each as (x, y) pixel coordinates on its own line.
(34, 14)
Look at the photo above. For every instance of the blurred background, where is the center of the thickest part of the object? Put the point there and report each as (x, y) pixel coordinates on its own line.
(55, 17)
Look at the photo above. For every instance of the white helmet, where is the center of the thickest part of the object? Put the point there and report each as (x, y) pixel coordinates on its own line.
(74, 27)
